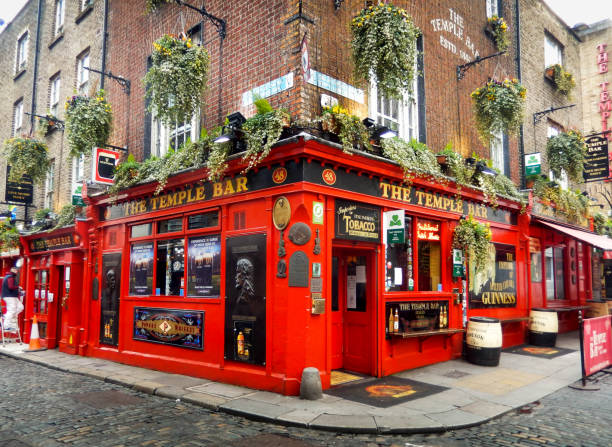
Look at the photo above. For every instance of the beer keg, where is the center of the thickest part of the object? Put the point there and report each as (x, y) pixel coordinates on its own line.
(543, 327)
(483, 341)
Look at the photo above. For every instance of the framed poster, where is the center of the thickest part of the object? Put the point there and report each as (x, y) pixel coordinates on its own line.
(204, 258)
(495, 285)
(141, 269)
(182, 328)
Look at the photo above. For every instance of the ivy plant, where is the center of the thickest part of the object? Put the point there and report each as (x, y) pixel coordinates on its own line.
(473, 238)
(565, 152)
(414, 157)
(349, 128)
(88, 122)
(27, 156)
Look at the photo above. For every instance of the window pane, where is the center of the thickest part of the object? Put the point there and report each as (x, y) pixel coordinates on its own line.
(428, 261)
(204, 266)
(170, 225)
(536, 267)
(550, 282)
(559, 276)
(142, 230)
(203, 220)
(170, 267)
(356, 287)
(399, 271)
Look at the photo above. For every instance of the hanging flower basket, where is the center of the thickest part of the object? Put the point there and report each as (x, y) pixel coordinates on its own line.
(565, 152)
(473, 238)
(88, 122)
(27, 156)
(384, 46)
(563, 80)
(153, 5)
(498, 29)
(498, 107)
(177, 78)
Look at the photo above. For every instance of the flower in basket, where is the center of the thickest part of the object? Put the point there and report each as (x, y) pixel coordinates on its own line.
(564, 80)
(474, 238)
(88, 122)
(499, 29)
(498, 107)
(27, 156)
(349, 128)
(9, 237)
(384, 46)
(565, 152)
(177, 78)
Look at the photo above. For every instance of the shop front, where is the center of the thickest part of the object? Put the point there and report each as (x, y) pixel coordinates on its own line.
(297, 263)
(54, 278)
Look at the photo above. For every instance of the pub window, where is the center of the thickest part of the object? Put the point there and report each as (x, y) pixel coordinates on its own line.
(555, 280)
(498, 147)
(50, 186)
(206, 220)
(493, 8)
(54, 95)
(41, 291)
(536, 267)
(170, 262)
(142, 230)
(170, 225)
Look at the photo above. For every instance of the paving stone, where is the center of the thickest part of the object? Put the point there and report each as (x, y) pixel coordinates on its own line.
(171, 392)
(253, 409)
(352, 423)
(204, 400)
(221, 389)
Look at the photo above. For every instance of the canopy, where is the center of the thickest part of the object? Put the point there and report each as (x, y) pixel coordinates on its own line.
(603, 242)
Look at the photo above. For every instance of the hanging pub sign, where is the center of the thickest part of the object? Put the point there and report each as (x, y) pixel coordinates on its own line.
(204, 279)
(533, 164)
(182, 328)
(357, 221)
(495, 284)
(21, 191)
(103, 165)
(596, 160)
(393, 223)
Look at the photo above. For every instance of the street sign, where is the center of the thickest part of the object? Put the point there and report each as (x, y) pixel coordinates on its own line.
(533, 164)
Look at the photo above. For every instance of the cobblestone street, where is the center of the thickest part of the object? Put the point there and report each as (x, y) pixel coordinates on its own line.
(45, 407)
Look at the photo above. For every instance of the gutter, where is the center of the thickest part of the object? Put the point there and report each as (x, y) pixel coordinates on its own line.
(521, 148)
(104, 39)
(35, 74)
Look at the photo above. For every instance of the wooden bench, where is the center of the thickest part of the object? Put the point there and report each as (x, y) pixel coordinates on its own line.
(424, 335)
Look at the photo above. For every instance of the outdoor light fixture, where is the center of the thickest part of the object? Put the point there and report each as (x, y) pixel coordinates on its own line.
(234, 123)
(378, 132)
(482, 168)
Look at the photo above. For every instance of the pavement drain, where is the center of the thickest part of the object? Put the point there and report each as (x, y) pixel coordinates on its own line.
(456, 374)
(268, 440)
(106, 399)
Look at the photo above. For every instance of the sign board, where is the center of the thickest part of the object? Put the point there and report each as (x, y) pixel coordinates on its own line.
(394, 226)
(103, 165)
(494, 285)
(21, 191)
(181, 328)
(357, 221)
(533, 164)
(597, 352)
(317, 213)
(596, 160)
(458, 267)
(77, 198)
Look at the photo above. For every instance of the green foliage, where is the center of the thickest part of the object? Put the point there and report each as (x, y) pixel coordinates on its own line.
(500, 32)
(506, 187)
(42, 213)
(262, 105)
(349, 128)
(88, 122)
(565, 152)
(27, 156)
(602, 224)
(177, 79)
(457, 168)
(570, 202)
(9, 237)
(498, 107)
(153, 5)
(217, 160)
(414, 157)
(65, 217)
(126, 175)
(190, 155)
(384, 45)
(564, 81)
(262, 131)
(473, 238)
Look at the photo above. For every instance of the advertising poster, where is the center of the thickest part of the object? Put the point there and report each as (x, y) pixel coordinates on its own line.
(141, 269)
(495, 285)
(182, 328)
(245, 287)
(109, 301)
(597, 344)
(204, 266)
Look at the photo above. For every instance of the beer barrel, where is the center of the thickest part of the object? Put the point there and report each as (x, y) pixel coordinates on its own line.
(483, 341)
(543, 327)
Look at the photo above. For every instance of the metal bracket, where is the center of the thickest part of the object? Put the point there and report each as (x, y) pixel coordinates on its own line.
(216, 21)
(462, 69)
(537, 116)
(59, 124)
(124, 83)
(299, 16)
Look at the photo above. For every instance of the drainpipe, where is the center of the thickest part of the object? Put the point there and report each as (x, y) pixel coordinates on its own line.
(521, 160)
(36, 54)
(104, 38)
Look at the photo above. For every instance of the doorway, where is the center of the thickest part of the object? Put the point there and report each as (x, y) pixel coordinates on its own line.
(353, 311)
(59, 301)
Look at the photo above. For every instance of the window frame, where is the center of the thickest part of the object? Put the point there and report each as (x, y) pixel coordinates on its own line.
(492, 8)
(60, 16)
(555, 283)
(21, 59)
(553, 51)
(18, 116)
(83, 61)
(54, 94)
(49, 186)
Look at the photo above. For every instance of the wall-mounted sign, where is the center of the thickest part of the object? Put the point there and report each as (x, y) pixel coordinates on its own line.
(357, 221)
(77, 198)
(53, 243)
(182, 328)
(393, 224)
(428, 231)
(103, 165)
(414, 316)
(317, 213)
(458, 266)
(21, 191)
(281, 213)
(268, 89)
(495, 285)
(336, 86)
(533, 164)
(305, 59)
(596, 160)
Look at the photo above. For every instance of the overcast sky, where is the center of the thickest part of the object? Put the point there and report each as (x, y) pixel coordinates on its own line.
(572, 11)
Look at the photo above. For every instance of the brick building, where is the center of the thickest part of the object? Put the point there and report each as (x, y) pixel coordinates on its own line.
(48, 45)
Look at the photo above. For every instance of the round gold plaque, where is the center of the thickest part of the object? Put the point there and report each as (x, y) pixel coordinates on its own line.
(281, 213)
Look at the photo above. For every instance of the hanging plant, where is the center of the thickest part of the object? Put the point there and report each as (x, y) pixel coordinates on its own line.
(65, 217)
(473, 238)
(126, 175)
(570, 202)
(565, 152)
(457, 168)
(498, 107)
(564, 80)
(349, 128)
(9, 237)
(153, 5)
(414, 157)
(499, 30)
(384, 46)
(27, 156)
(177, 79)
(88, 122)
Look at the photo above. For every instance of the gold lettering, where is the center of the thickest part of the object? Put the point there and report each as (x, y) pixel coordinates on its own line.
(229, 188)
(154, 201)
(241, 184)
(406, 194)
(217, 189)
(395, 192)
(162, 202)
(142, 206)
(181, 197)
(428, 201)
(190, 197)
(447, 203)
(385, 189)
(437, 202)
(171, 199)
(199, 193)
(420, 195)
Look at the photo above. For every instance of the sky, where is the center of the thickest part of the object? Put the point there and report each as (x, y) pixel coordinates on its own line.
(572, 11)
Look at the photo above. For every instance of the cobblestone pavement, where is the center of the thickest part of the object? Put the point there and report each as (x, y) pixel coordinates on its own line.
(44, 407)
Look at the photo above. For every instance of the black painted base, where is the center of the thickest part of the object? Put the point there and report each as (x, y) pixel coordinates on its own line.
(482, 356)
(547, 339)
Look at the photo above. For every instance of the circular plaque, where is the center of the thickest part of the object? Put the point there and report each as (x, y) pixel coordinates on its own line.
(281, 213)
(299, 233)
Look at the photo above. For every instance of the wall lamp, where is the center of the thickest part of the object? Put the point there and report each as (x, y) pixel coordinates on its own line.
(483, 169)
(378, 132)
(229, 131)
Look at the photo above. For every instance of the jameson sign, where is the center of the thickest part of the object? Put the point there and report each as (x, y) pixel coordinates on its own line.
(357, 221)
(182, 328)
(596, 160)
(495, 285)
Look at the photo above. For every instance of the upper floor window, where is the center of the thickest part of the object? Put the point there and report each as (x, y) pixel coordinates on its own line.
(78, 168)
(492, 8)
(553, 51)
(498, 158)
(82, 72)
(60, 9)
(49, 186)
(22, 51)
(18, 117)
(54, 95)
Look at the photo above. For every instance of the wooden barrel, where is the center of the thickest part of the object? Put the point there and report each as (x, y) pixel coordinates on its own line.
(543, 327)
(483, 341)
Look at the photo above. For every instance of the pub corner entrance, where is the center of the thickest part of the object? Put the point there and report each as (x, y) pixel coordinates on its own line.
(353, 343)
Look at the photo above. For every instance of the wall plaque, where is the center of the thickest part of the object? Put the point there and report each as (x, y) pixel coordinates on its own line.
(281, 213)
(170, 327)
(299, 233)
(316, 285)
(298, 269)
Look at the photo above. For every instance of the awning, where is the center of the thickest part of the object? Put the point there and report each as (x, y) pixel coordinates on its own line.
(603, 242)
